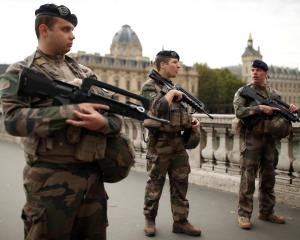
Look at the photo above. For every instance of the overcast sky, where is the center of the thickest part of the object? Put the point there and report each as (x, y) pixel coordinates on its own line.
(204, 31)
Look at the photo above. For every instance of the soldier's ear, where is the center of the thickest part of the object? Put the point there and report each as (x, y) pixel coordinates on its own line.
(43, 30)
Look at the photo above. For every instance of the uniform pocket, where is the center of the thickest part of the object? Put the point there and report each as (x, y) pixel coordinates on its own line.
(91, 148)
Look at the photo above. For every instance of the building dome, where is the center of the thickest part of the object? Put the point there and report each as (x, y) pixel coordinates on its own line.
(126, 44)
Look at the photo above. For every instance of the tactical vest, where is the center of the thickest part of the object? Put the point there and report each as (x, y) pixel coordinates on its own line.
(73, 147)
(72, 144)
(275, 125)
(178, 116)
(167, 138)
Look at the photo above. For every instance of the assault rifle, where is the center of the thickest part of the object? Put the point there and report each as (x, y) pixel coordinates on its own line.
(248, 92)
(34, 83)
(189, 99)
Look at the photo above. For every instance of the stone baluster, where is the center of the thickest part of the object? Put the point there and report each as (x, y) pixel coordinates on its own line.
(221, 153)
(285, 156)
(296, 166)
(284, 163)
(137, 134)
(125, 128)
(208, 152)
(296, 154)
(194, 157)
(128, 129)
(234, 155)
(136, 130)
(144, 136)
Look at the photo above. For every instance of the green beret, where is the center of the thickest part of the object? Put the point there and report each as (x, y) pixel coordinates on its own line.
(167, 54)
(57, 11)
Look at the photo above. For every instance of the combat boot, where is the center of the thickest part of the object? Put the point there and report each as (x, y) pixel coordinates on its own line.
(244, 222)
(149, 228)
(186, 228)
(273, 218)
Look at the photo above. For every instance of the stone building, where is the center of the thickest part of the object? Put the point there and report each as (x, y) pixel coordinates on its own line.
(249, 55)
(285, 80)
(127, 68)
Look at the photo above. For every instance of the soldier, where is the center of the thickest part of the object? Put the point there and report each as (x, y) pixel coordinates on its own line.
(166, 149)
(259, 135)
(65, 195)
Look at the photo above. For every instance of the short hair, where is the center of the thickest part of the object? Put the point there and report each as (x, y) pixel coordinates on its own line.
(159, 60)
(168, 54)
(49, 21)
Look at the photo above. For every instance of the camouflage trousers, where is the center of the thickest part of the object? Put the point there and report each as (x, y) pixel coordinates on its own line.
(260, 156)
(64, 204)
(178, 168)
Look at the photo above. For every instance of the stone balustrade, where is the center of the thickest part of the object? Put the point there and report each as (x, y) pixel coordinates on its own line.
(215, 162)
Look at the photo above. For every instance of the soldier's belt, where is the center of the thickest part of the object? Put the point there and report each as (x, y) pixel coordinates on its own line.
(89, 166)
(168, 135)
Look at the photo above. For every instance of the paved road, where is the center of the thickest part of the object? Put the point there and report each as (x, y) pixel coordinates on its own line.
(213, 211)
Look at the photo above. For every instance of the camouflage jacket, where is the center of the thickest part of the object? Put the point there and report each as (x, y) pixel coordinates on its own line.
(245, 108)
(46, 136)
(177, 113)
(260, 123)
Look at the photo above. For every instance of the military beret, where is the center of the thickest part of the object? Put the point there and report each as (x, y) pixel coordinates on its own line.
(168, 54)
(57, 11)
(260, 64)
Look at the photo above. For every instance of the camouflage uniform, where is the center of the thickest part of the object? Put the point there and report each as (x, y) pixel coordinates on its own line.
(65, 195)
(259, 153)
(167, 154)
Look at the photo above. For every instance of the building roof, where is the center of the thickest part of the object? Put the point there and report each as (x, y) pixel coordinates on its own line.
(284, 72)
(126, 44)
(250, 51)
(126, 35)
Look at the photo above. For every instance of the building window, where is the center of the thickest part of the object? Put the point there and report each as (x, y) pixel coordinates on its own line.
(139, 85)
(98, 59)
(116, 82)
(192, 88)
(128, 85)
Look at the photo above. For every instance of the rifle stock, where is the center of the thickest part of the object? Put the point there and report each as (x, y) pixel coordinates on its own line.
(34, 83)
(248, 92)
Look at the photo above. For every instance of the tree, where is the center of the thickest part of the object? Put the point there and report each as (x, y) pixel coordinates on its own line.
(217, 88)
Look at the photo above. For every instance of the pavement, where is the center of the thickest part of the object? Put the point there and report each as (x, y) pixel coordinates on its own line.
(212, 210)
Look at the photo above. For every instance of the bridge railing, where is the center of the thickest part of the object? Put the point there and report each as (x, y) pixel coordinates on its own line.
(216, 161)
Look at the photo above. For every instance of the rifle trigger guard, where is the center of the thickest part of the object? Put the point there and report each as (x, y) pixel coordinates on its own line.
(140, 109)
